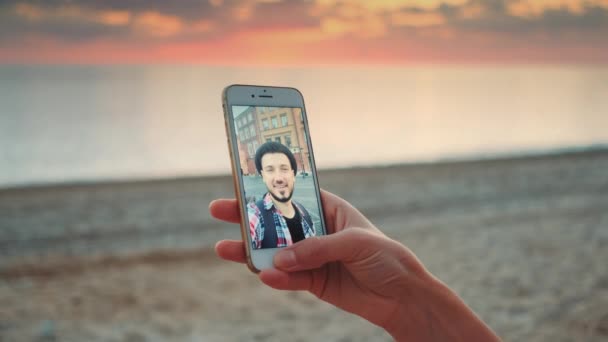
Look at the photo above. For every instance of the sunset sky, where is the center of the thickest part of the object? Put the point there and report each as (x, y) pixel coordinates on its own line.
(304, 32)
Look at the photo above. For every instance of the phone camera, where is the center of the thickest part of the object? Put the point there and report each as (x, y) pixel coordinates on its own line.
(252, 95)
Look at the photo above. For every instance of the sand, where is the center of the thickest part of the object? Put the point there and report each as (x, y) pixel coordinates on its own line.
(524, 241)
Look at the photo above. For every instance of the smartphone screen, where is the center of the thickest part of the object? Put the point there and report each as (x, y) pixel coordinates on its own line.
(275, 165)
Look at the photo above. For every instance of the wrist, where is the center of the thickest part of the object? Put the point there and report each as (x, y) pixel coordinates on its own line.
(430, 311)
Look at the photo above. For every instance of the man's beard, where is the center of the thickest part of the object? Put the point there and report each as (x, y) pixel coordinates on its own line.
(282, 200)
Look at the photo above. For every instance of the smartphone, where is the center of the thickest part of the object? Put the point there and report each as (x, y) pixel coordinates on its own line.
(273, 167)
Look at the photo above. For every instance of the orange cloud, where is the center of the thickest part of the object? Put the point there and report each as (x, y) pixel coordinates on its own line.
(155, 24)
(149, 23)
(523, 8)
(368, 26)
(74, 13)
(389, 5)
(372, 19)
(322, 32)
(417, 19)
(244, 11)
(337, 26)
(114, 18)
(471, 11)
(349, 18)
(28, 11)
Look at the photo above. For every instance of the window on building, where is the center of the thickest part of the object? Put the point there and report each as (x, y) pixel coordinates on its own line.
(283, 120)
(275, 122)
(252, 131)
(249, 117)
(250, 149)
(277, 139)
(268, 140)
(288, 141)
(265, 124)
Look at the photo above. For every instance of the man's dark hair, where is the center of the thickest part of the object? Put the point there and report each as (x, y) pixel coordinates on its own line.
(274, 147)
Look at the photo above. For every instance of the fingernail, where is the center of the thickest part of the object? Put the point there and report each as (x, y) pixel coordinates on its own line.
(285, 259)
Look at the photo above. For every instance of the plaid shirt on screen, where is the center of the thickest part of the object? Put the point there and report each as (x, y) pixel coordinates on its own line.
(256, 226)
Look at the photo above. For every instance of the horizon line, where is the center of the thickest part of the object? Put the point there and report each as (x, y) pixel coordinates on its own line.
(447, 160)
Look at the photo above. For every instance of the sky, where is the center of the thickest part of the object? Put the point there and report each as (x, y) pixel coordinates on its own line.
(304, 32)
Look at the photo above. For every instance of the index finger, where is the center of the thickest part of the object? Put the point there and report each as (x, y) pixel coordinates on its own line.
(225, 210)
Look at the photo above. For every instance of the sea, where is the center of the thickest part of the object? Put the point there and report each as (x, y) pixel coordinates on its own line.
(84, 123)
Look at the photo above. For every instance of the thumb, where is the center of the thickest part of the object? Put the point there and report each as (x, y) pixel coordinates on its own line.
(347, 245)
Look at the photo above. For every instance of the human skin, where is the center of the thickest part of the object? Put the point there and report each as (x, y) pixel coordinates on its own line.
(360, 270)
(279, 178)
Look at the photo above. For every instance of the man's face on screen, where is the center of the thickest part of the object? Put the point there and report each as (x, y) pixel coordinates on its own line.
(278, 176)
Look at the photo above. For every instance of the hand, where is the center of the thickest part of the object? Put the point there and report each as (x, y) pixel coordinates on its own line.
(359, 269)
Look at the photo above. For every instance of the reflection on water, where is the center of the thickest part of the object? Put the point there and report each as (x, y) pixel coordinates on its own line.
(87, 123)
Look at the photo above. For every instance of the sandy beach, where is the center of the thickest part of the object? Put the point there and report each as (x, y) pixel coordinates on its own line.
(524, 241)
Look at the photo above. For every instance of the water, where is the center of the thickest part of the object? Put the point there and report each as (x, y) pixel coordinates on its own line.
(87, 123)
